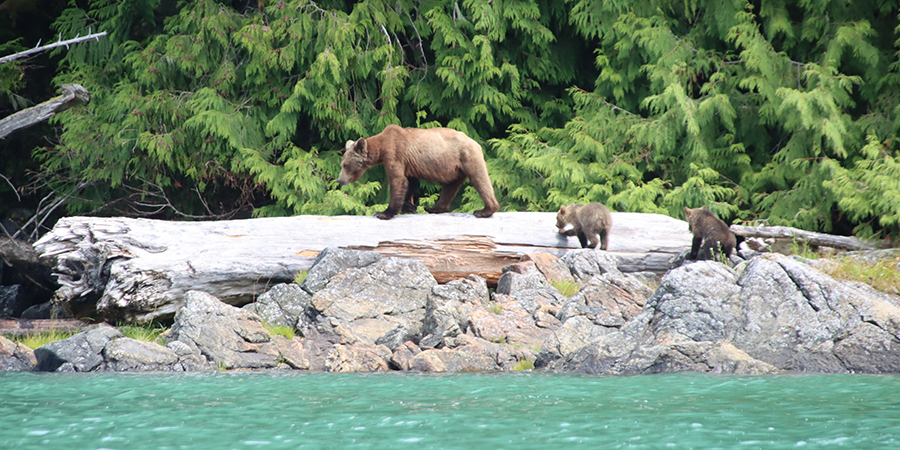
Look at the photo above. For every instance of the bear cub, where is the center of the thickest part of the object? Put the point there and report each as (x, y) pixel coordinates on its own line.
(589, 222)
(712, 237)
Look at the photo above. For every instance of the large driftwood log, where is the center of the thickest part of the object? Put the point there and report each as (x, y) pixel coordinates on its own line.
(802, 236)
(138, 269)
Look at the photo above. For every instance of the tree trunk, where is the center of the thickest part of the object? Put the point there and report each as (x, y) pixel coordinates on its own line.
(139, 269)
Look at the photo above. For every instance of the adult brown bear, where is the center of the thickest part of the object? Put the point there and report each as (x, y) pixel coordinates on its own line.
(440, 155)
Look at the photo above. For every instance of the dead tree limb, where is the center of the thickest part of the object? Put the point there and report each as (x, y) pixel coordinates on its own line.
(73, 94)
(802, 236)
(60, 43)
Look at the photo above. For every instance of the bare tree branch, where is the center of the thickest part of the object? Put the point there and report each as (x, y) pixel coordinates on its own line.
(59, 43)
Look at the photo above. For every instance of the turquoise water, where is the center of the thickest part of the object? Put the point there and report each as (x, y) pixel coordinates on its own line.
(463, 411)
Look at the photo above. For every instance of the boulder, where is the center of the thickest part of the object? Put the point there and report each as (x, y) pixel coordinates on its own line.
(447, 309)
(80, 353)
(283, 304)
(773, 313)
(15, 357)
(332, 261)
(230, 337)
(377, 302)
(130, 355)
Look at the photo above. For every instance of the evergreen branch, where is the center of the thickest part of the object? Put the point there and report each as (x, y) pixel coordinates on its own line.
(59, 43)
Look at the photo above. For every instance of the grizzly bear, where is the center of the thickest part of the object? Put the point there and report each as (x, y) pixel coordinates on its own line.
(712, 237)
(440, 155)
(588, 223)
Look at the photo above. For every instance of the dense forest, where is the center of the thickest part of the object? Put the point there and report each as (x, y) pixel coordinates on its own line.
(774, 112)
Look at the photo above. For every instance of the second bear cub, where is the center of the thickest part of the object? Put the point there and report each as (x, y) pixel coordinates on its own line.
(589, 222)
(712, 237)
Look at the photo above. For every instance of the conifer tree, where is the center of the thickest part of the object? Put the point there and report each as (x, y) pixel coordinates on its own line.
(784, 113)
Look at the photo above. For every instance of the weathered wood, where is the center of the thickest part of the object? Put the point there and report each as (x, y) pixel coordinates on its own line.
(73, 94)
(802, 236)
(59, 43)
(22, 327)
(139, 269)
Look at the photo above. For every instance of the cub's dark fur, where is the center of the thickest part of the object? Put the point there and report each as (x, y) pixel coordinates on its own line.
(712, 237)
(589, 222)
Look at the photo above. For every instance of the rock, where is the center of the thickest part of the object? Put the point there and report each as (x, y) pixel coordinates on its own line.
(230, 337)
(15, 357)
(708, 357)
(773, 313)
(80, 353)
(585, 263)
(46, 310)
(292, 352)
(284, 304)
(129, 355)
(607, 300)
(448, 307)
(332, 261)
(358, 358)
(375, 300)
(12, 300)
(553, 269)
(403, 355)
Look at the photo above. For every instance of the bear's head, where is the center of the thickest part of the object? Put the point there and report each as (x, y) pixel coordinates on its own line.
(563, 216)
(692, 216)
(355, 161)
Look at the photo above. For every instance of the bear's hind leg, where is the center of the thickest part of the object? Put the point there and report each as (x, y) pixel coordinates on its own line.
(447, 194)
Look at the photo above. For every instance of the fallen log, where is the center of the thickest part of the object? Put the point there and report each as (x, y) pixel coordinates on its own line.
(802, 237)
(23, 327)
(139, 269)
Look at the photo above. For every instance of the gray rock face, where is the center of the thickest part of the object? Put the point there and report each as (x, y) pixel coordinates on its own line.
(448, 307)
(15, 357)
(80, 353)
(773, 313)
(284, 304)
(104, 348)
(230, 337)
(332, 261)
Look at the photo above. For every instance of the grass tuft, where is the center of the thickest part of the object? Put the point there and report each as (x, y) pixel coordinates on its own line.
(36, 340)
(567, 288)
(299, 277)
(280, 330)
(524, 364)
(883, 275)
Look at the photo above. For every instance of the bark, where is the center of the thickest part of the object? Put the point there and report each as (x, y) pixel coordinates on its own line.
(139, 269)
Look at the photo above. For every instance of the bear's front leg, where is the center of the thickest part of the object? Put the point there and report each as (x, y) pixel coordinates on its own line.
(398, 187)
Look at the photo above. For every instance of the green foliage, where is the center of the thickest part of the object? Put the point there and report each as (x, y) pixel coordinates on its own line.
(145, 333)
(495, 308)
(882, 274)
(524, 364)
(279, 330)
(566, 288)
(299, 277)
(783, 113)
(35, 340)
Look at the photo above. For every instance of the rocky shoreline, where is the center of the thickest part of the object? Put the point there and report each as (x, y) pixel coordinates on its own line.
(357, 311)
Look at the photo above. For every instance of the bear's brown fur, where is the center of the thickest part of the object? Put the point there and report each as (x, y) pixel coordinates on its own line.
(712, 237)
(588, 223)
(440, 155)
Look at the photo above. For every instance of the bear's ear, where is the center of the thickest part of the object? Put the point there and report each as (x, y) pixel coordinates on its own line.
(703, 208)
(687, 211)
(348, 145)
(360, 146)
